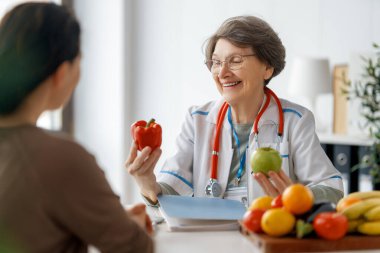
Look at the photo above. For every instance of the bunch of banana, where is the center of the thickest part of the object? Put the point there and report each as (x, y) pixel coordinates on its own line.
(363, 212)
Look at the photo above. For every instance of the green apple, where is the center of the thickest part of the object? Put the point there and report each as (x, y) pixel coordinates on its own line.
(265, 159)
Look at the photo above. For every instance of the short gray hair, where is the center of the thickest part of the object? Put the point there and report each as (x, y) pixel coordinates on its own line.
(253, 32)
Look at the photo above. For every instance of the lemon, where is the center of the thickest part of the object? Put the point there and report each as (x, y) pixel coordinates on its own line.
(263, 202)
(277, 222)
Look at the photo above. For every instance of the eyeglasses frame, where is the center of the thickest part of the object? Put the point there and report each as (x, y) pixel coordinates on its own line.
(226, 61)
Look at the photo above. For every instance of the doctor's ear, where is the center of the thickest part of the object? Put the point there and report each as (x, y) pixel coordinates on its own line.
(268, 72)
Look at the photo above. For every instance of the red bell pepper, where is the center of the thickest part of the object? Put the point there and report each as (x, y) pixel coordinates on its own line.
(146, 134)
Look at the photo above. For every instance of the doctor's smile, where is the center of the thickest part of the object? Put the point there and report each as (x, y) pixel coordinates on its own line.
(231, 84)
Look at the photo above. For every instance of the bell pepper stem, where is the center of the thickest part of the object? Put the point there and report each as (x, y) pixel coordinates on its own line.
(151, 121)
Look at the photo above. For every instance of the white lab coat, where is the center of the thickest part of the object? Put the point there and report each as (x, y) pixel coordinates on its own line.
(303, 158)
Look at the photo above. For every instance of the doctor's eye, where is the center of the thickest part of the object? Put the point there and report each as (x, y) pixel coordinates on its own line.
(212, 64)
(216, 63)
(235, 59)
(235, 62)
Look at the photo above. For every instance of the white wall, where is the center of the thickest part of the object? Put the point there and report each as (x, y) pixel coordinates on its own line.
(161, 72)
(99, 100)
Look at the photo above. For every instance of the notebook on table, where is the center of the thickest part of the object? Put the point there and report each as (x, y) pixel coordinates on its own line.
(183, 213)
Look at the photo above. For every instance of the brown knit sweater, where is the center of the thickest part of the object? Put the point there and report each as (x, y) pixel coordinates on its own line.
(55, 198)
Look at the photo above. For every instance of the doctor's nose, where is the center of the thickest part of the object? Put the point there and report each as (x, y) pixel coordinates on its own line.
(223, 70)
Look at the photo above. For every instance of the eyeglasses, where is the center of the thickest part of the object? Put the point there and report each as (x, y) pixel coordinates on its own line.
(234, 62)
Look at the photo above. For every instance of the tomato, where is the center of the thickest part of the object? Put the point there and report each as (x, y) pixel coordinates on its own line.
(330, 225)
(276, 202)
(252, 220)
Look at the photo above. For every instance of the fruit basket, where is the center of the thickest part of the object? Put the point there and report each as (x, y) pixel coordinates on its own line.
(290, 244)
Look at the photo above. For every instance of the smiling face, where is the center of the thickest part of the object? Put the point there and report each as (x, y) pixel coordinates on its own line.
(242, 85)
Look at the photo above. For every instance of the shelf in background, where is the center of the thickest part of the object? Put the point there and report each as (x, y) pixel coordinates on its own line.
(345, 151)
(344, 139)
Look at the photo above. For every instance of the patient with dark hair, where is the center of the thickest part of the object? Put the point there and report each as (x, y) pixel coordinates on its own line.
(53, 195)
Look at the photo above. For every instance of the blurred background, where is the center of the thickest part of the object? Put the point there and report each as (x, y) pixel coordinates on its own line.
(144, 59)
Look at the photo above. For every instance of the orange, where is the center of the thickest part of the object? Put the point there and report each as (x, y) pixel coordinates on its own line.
(277, 222)
(263, 202)
(345, 202)
(297, 199)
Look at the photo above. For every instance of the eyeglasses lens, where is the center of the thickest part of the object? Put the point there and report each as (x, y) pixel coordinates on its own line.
(233, 63)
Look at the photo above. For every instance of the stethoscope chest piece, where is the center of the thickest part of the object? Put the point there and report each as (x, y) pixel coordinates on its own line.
(213, 189)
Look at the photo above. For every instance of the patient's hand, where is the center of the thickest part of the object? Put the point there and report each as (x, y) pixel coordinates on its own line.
(139, 215)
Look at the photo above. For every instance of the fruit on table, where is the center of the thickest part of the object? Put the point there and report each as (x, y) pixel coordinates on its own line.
(252, 220)
(303, 228)
(365, 195)
(358, 209)
(304, 223)
(354, 224)
(265, 159)
(330, 225)
(277, 202)
(363, 215)
(346, 202)
(320, 208)
(146, 134)
(263, 202)
(373, 214)
(277, 222)
(297, 199)
(369, 228)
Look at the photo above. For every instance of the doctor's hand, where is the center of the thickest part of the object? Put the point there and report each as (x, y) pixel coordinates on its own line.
(275, 184)
(141, 167)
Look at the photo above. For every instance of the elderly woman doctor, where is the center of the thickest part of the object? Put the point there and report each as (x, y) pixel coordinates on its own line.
(217, 138)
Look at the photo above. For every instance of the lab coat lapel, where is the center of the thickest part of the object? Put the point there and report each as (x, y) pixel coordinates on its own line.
(225, 148)
(225, 155)
(270, 114)
(213, 114)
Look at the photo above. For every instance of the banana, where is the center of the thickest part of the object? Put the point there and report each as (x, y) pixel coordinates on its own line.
(354, 211)
(345, 202)
(369, 228)
(365, 195)
(353, 225)
(373, 214)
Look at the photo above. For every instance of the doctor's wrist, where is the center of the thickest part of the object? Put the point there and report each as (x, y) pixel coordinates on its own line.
(151, 199)
(151, 196)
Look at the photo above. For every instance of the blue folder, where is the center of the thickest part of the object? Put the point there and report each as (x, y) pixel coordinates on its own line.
(201, 208)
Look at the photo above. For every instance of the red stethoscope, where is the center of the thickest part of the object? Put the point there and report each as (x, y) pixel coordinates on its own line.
(213, 188)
